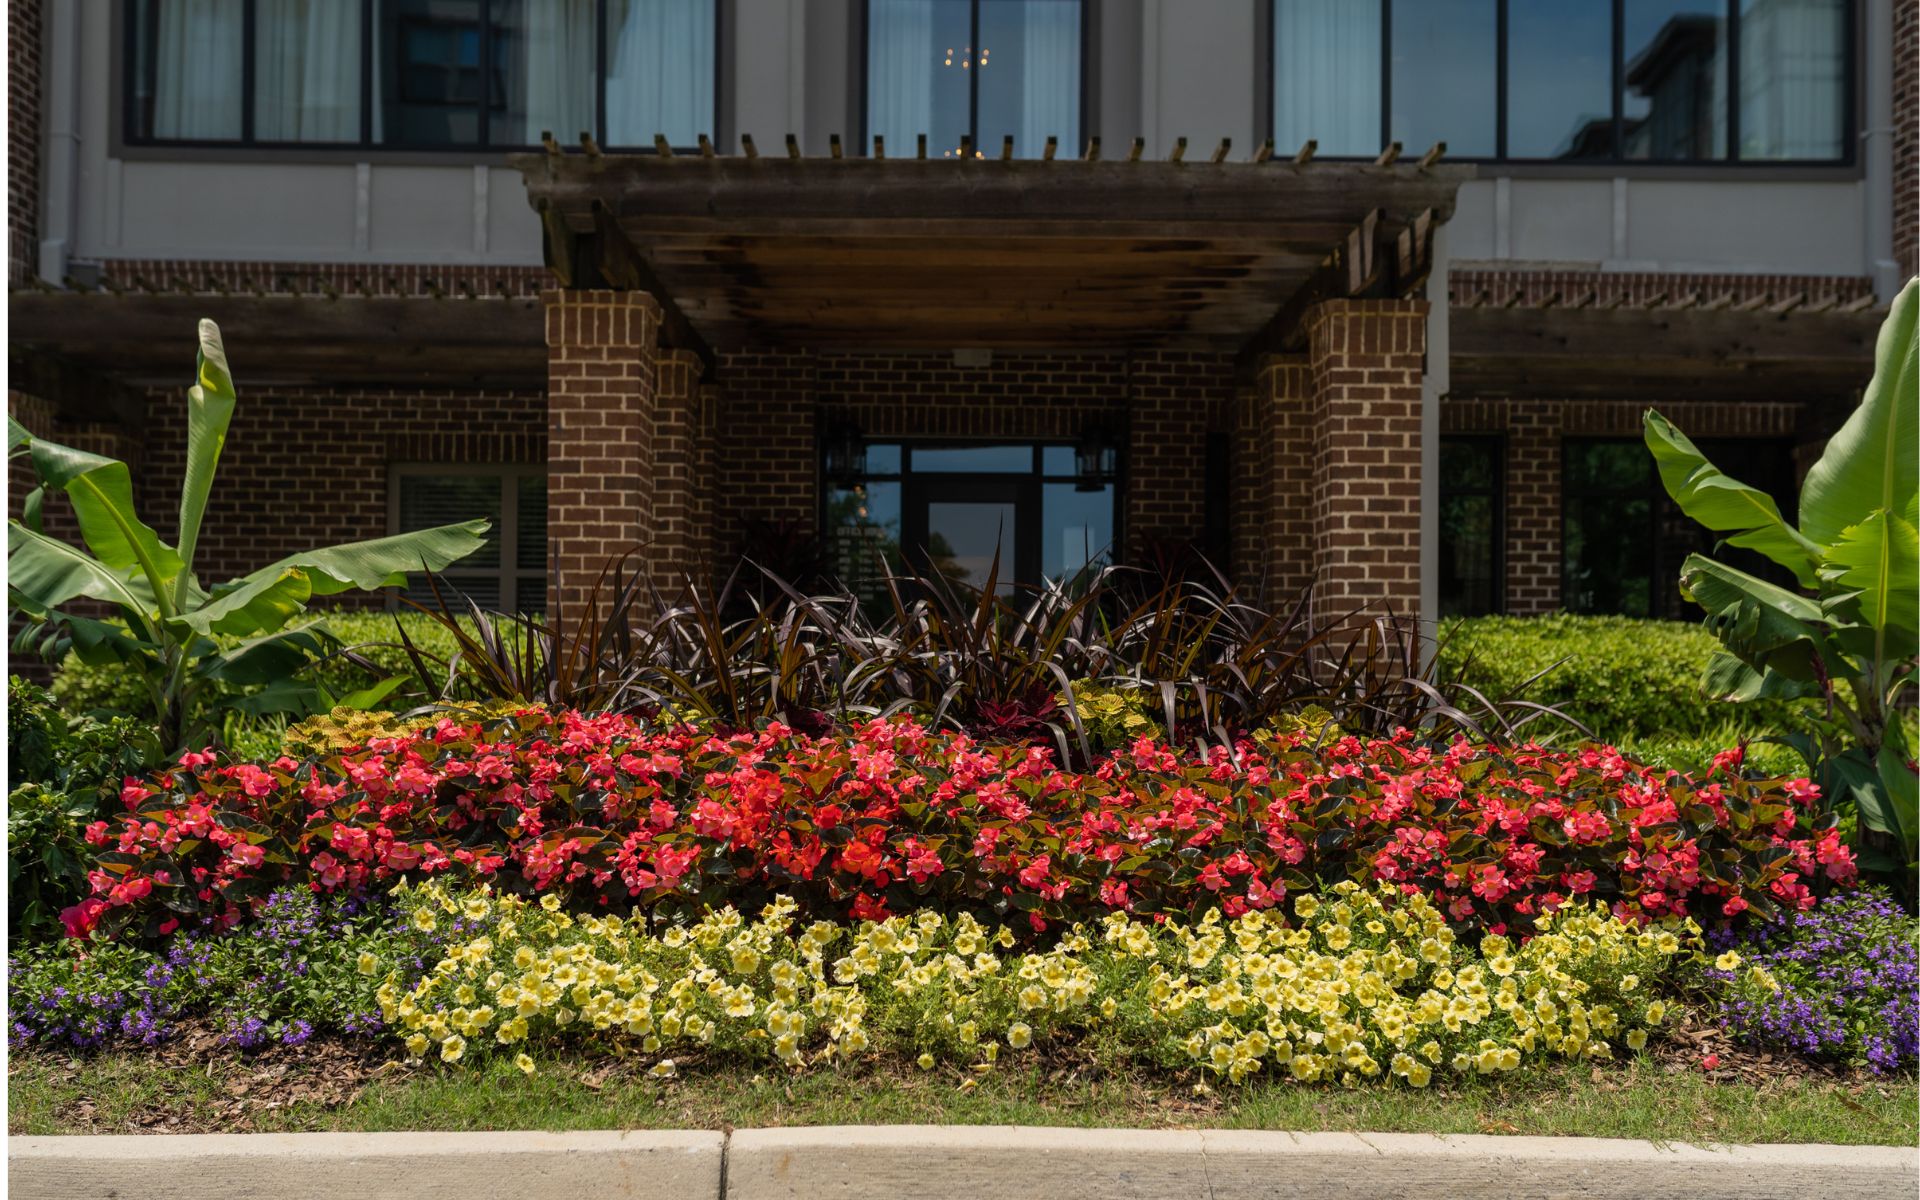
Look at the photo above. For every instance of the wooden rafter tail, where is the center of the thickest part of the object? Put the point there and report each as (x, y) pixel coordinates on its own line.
(591, 147)
(1135, 149)
(1220, 151)
(1657, 300)
(1006, 148)
(1434, 154)
(1265, 151)
(1093, 148)
(551, 143)
(1479, 297)
(1754, 302)
(1388, 156)
(1053, 147)
(833, 146)
(793, 147)
(214, 285)
(746, 144)
(1617, 300)
(1179, 151)
(1587, 299)
(1413, 246)
(879, 146)
(706, 147)
(1789, 304)
(1822, 304)
(1552, 300)
(966, 146)
(1305, 153)
(1859, 303)
(1723, 300)
(920, 146)
(1513, 301)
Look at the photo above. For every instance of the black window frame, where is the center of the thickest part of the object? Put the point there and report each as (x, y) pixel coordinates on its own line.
(510, 573)
(130, 124)
(1030, 503)
(1850, 99)
(1496, 446)
(865, 51)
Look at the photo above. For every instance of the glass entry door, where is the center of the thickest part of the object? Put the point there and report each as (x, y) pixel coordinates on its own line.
(957, 525)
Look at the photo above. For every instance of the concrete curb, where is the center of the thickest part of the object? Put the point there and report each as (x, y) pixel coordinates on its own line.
(937, 1161)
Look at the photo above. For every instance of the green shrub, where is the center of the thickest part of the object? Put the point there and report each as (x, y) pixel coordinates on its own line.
(1626, 679)
(61, 773)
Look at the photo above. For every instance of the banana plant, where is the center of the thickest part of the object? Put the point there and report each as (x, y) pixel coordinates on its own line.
(177, 636)
(1849, 634)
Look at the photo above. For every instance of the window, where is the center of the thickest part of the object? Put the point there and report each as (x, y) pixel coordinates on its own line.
(1679, 81)
(1472, 526)
(1623, 539)
(509, 573)
(1047, 511)
(978, 70)
(420, 74)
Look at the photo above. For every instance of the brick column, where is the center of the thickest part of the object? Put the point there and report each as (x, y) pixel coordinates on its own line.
(1366, 359)
(600, 433)
(1532, 492)
(1281, 451)
(676, 379)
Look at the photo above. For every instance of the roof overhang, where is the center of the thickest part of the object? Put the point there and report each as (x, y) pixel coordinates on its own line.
(991, 252)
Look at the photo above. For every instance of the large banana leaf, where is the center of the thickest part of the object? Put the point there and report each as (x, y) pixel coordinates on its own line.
(43, 573)
(261, 604)
(381, 562)
(210, 403)
(1873, 462)
(101, 491)
(1762, 624)
(1877, 562)
(1724, 504)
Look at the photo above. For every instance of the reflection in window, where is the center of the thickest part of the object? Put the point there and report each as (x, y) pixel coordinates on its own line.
(660, 62)
(1559, 79)
(976, 69)
(1675, 105)
(1470, 526)
(1326, 75)
(1792, 78)
(1445, 76)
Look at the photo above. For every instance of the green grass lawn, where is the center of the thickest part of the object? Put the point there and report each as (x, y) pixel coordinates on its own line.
(129, 1092)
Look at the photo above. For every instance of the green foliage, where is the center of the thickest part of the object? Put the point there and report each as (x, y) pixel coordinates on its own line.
(1852, 642)
(61, 773)
(167, 637)
(1626, 679)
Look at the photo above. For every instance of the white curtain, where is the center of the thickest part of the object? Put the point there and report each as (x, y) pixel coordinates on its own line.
(307, 71)
(558, 41)
(900, 64)
(197, 63)
(1326, 75)
(659, 71)
(1050, 78)
(1792, 78)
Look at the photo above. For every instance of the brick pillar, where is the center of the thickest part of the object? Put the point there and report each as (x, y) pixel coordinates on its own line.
(1366, 359)
(703, 545)
(676, 379)
(1281, 430)
(600, 433)
(1533, 507)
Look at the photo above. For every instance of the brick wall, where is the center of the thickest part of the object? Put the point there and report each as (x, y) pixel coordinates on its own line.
(307, 467)
(1533, 430)
(1906, 136)
(23, 139)
(1274, 470)
(772, 405)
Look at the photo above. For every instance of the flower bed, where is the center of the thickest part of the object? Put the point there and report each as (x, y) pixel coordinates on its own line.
(894, 817)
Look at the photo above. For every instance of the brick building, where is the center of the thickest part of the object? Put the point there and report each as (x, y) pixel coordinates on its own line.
(1365, 295)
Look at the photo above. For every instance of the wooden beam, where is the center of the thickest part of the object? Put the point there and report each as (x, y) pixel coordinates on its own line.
(1265, 151)
(793, 147)
(1135, 149)
(1352, 271)
(1179, 150)
(1220, 151)
(1433, 155)
(833, 146)
(879, 146)
(1305, 153)
(746, 143)
(1388, 156)
(706, 146)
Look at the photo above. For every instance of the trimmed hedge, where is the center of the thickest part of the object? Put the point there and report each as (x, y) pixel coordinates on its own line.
(1625, 678)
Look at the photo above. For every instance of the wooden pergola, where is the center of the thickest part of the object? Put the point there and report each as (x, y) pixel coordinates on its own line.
(991, 251)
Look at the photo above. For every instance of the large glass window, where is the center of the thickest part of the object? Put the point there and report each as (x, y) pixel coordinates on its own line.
(1471, 526)
(509, 572)
(420, 74)
(1566, 80)
(1623, 538)
(1045, 511)
(980, 70)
